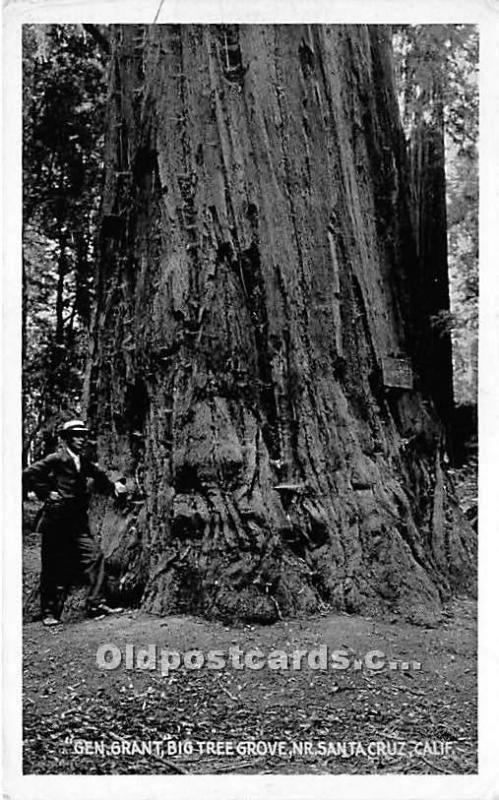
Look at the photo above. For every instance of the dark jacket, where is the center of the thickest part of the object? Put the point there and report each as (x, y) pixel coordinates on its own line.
(57, 473)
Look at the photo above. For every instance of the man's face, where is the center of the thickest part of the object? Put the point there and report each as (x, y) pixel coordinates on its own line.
(76, 442)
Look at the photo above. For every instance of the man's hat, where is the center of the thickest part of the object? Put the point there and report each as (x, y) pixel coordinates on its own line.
(74, 426)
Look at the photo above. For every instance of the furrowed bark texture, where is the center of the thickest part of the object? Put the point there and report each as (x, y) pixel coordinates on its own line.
(257, 271)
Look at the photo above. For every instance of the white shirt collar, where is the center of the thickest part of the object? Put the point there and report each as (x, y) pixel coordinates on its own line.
(75, 457)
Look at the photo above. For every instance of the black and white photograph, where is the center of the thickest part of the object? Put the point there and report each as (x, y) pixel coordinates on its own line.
(249, 325)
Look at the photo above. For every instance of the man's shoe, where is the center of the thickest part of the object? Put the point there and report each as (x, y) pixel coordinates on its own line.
(49, 621)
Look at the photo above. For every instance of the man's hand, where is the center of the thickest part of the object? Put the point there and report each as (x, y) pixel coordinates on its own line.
(120, 490)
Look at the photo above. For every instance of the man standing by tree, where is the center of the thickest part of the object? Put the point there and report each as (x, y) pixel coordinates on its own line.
(67, 543)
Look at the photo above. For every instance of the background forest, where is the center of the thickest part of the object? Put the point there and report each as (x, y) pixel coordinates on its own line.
(64, 101)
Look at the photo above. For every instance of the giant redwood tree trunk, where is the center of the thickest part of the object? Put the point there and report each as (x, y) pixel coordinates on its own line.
(258, 324)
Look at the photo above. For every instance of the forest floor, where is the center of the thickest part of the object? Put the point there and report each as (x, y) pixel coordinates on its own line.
(80, 718)
(77, 715)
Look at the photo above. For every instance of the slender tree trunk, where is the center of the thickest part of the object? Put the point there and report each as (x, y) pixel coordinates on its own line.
(427, 157)
(59, 302)
(82, 302)
(25, 305)
(260, 336)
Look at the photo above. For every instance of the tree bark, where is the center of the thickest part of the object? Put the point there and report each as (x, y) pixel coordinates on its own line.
(259, 331)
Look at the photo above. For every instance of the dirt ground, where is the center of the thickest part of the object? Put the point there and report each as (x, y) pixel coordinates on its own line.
(80, 718)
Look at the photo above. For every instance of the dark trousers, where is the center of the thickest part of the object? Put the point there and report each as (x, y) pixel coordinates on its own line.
(70, 555)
